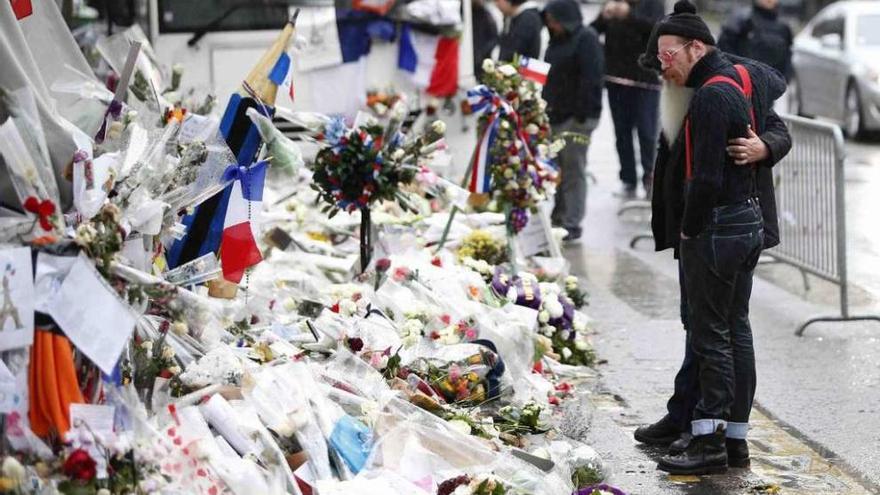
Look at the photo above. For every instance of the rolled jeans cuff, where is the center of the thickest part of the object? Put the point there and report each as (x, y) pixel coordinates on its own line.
(706, 426)
(737, 431)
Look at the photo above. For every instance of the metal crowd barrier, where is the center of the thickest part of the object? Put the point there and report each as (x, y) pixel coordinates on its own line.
(810, 202)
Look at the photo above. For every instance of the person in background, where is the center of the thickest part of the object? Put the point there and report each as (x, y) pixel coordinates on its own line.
(522, 29)
(633, 92)
(485, 34)
(574, 102)
(758, 34)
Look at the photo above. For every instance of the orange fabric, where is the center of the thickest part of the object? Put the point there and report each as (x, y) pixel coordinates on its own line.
(52, 384)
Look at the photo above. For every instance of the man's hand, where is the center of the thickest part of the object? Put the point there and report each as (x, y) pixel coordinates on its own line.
(747, 150)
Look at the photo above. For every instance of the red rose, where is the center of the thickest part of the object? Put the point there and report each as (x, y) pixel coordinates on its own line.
(355, 344)
(383, 264)
(79, 466)
(436, 261)
(401, 273)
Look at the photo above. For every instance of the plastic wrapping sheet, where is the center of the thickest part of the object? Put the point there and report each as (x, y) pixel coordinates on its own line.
(115, 48)
(26, 152)
(354, 374)
(87, 98)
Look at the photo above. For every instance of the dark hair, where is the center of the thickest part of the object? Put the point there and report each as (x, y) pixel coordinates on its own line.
(516, 3)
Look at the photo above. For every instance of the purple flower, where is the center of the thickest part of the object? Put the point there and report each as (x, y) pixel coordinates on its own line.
(608, 488)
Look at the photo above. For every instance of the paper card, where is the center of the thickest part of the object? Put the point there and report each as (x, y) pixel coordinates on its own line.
(22, 8)
(12, 390)
(537, 236)
(318, 39)
(51, 271)
(196, 128)
(99, 325)
(16, 298)
(98, 418)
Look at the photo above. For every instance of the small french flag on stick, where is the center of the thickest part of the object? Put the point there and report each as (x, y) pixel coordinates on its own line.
(534, 70)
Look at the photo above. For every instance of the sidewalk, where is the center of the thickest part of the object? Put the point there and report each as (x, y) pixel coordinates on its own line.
(819, 390)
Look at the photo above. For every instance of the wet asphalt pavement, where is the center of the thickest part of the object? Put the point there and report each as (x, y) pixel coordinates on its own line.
(820, 390)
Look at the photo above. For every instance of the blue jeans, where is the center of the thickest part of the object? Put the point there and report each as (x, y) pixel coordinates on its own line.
(718, 267)
(634, 109)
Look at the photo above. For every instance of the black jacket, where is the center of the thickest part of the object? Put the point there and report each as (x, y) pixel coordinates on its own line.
(523, 36)
(625, 40)
(485, 35)
(668, 192)
(574, 83)
(758, 34)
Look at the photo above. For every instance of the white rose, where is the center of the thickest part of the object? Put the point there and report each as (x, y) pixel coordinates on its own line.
(507, 70)
(554, 308)
(289, 305)
(398, 154)
(167, 352)
(174, 370)
(180, 328)
(380, 108)
(347, 307)
(439, 127)
(548, 330)
(514, 160)
(460, 426)
(103, 491)
(532, 129)
(13, 469)
(571, 280)
(566, 353)
(488, 65)
(508, 173)
(581, 345)
(505, 125)
(543, 317)
(147, 345)
(564, 334)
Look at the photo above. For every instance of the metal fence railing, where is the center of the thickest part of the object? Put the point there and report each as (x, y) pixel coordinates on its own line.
(810, 200)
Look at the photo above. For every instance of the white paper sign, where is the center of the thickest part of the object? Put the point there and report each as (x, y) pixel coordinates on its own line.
(11, 391)
(537, 237)
(16, 298)
(318, 39)
(92, 316)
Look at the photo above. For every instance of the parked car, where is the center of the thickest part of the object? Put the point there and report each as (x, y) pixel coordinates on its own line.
(836, 60)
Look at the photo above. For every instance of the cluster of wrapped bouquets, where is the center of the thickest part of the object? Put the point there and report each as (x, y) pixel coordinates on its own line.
(202, 322)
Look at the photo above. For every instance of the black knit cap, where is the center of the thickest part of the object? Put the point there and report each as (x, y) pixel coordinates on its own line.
(684, 22)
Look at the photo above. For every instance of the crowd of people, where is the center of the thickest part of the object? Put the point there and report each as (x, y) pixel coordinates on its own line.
(702, 112)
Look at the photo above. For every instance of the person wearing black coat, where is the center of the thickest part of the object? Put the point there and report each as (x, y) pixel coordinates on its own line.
(522, 29)
(485, 35)
(757, 33)
(674, 227)
(573, 93)
(633, 92)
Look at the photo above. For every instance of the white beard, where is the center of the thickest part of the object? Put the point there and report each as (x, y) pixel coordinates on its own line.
(674, 103)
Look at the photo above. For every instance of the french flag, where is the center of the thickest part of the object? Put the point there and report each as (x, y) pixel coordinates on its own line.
(238, 246)
(481, 176)
(534, 70)
(431, 59)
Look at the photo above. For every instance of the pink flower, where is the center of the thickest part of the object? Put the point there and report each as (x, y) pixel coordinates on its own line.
(445, 319)
(401, 273)
(470, 334)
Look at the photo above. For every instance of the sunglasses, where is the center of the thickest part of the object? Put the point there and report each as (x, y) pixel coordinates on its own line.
(668, 55)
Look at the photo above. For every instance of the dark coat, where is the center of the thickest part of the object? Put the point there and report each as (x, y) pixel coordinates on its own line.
(522, 37)
(625, 40)
(485, 35)
(574, 83)
(668, 192)
(759, 34)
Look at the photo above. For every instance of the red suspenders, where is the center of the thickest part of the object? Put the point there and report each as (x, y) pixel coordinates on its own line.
(745, 89)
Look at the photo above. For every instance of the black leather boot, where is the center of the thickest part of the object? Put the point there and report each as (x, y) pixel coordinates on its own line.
(706, 454)
(661, 433)
(681, 444)
(737, 453)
